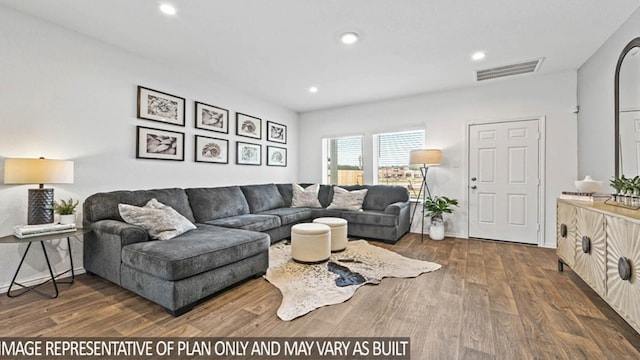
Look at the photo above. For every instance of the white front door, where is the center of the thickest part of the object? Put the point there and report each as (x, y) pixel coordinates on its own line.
(504, 181)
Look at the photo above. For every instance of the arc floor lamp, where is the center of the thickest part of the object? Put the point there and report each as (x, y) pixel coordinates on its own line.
(425, 158)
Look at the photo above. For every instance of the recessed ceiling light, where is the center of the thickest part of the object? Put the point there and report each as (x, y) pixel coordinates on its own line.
(168, 9)
(313, 89)
(349, 38)
(478, 55)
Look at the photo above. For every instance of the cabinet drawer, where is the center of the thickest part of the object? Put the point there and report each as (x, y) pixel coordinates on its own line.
(590, 249)
(623, 264)
(566, 233)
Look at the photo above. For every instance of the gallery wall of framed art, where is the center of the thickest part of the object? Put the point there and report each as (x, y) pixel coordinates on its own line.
(170, 110)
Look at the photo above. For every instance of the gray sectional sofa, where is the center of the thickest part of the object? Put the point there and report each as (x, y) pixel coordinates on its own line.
(234, 227)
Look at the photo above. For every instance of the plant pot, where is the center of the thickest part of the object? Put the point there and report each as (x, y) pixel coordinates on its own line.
(68, 219)
(436, 229)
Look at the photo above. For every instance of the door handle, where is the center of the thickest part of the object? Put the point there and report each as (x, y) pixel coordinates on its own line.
(473, 187)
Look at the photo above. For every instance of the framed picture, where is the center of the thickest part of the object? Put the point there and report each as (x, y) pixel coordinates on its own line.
(209, 117)
(276, 132)
(248, 154)
(212, 150)
(159, 144)
(249, 126)
(158, 106)
(276, 156)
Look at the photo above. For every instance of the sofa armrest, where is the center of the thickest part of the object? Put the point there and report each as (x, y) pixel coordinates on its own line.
(129, 234)
(396, 207)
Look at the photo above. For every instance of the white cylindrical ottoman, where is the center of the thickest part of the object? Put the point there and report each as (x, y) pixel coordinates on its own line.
(338, 232)
(310, 243)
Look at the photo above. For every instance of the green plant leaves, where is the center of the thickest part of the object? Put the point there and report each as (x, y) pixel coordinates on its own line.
(438, 205)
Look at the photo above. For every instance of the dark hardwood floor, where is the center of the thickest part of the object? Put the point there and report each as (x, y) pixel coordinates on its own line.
(490, 300)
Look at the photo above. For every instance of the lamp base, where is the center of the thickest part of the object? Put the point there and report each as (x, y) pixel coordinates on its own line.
(40, 206)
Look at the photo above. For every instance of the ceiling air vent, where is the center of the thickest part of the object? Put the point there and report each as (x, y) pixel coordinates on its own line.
(509, 70)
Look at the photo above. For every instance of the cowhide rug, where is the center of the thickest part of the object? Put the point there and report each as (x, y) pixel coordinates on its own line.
(305, 288)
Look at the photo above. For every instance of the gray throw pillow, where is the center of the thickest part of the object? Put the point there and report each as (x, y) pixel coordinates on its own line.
(347, 200)
(305, 197)
(162, 222)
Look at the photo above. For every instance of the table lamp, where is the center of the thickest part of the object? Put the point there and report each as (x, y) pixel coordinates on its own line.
(38, 171)
(426, 158)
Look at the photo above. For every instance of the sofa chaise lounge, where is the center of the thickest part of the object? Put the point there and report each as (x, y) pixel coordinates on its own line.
(234, 227)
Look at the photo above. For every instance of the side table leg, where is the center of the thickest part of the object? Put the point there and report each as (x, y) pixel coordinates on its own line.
(73, 274)
(71, 270)
(53, 278)
(13, 281)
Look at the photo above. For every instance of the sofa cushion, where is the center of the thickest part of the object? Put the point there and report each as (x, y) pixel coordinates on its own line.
(162, 222)
(251, 222)
(370, 217)
(194, 252)
(305, 197)
(316, 213)
(215, 203)
(286, 191)
(262, 197)
(104, 206)
(347, 200)
(380, 196)
(289, 215)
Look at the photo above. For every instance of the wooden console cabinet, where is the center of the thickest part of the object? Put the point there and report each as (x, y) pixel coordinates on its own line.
(601, 243)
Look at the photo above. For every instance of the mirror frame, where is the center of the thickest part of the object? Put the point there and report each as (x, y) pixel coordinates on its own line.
(633, 43)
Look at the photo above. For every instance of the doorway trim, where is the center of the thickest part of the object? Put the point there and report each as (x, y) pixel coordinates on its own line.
(541, 169)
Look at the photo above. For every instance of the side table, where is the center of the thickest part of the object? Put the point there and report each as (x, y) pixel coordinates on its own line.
(11, 239)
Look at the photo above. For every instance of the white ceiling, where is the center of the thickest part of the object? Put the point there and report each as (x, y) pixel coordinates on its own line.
(276, 49)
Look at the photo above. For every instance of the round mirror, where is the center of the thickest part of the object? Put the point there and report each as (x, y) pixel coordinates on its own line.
(627, 111)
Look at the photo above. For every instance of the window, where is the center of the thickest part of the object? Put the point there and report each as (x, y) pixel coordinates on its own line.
(393, 159)
(344, 160)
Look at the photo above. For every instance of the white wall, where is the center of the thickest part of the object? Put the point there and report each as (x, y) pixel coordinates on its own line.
(444, 117)
(596, 99)
(66, 96)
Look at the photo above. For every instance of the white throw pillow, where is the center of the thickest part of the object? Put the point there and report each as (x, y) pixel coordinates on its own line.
(162, 222)
(305, 197)
(347, 200)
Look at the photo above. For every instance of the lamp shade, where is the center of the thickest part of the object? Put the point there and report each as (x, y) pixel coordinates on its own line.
(38, 171)
(425, 156)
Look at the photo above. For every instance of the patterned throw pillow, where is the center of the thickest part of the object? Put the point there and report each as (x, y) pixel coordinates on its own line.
(162, 222)
(305, 197)
(347, 200)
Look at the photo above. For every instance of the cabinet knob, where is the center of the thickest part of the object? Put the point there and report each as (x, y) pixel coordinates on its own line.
(586, 244)
(624, 268)
(473, 187)
(563, 230)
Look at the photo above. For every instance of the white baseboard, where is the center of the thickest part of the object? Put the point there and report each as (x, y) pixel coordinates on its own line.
(456, 235)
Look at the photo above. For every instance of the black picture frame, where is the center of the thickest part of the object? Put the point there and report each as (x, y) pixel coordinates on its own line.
(159, 144)
(276, 132)
(276, 156)
(211, 150)
(159, 106)
(248, 126)
(248, 153)
(212, 118)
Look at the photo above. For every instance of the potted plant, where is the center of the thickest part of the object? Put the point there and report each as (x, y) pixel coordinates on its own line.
(66, 209)
(435, 207)
(617, 184)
